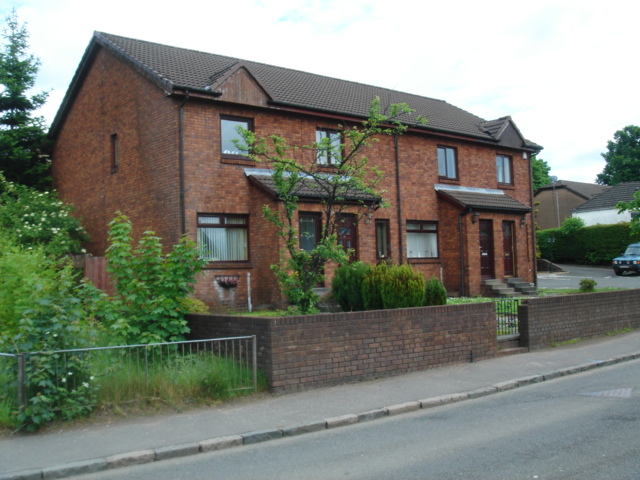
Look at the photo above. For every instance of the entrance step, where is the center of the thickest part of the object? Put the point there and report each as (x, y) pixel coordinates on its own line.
(496, 288)
(521, 286)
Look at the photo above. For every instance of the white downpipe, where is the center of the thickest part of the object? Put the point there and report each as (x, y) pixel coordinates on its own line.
(249, 291)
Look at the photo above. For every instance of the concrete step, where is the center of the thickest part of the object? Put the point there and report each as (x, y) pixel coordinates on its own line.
(499, 289)
(521, 286)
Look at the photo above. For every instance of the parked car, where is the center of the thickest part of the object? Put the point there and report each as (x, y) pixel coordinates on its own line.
(629, 261)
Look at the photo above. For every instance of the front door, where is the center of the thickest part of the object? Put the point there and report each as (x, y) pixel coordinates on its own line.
(486, 249)
(507, 246)
(348, 235)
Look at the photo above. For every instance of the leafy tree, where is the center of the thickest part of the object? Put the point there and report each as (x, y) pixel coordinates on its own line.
(632, 206)
(299, 270)
(540, 172)
(22, 137)
(36, 218)
(151, 287)
(622, 157)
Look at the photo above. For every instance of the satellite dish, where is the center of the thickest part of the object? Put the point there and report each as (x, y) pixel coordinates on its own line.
(553, 178)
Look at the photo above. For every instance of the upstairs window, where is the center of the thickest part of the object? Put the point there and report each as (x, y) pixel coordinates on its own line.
(329, 143)
(447, 162)
(422, 239)
(223, 238)
(503, 167)
(229, 135)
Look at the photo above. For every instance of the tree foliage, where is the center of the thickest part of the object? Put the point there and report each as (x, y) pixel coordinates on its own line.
(633, 207)
(22, 136)
(622, 157)
(36, 218)
(540, 173)
(151, 287)
(299, 270)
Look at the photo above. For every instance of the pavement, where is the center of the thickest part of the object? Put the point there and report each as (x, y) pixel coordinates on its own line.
(91, 447)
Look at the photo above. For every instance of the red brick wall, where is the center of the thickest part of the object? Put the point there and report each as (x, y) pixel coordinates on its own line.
(548, 320)
(316, 350)
(115, 100)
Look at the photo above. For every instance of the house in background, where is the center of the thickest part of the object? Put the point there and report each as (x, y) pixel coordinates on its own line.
(555, 202)
(149, 130)
(601, 210)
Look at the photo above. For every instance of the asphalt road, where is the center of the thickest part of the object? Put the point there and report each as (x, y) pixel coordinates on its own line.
(577, 427)
(572, 275)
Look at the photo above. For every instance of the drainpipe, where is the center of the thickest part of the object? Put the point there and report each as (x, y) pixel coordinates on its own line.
(462, 269)
(533, 223)
(398, 199)
(183, 214)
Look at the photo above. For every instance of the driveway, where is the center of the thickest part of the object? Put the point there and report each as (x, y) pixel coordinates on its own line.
(572, 274)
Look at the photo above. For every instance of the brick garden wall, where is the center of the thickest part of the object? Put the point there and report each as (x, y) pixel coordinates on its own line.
(544, 321)
(318, 350)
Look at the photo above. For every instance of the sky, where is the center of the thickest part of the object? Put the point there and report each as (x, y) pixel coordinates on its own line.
(566, 71)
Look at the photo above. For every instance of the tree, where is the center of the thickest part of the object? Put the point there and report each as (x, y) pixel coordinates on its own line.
(540, 173)
(623, 157)
(22, 137)
(633, 207)
(349, 184)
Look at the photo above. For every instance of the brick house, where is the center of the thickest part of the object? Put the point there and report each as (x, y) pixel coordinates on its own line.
(147, 129)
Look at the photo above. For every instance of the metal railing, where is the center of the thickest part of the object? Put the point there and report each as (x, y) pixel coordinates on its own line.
(134, 373)
(507, 316)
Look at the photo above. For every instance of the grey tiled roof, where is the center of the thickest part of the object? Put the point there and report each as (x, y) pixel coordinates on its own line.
(177, 68)
(623, 192)
(308, 189)
(585, 190)
(480, 199)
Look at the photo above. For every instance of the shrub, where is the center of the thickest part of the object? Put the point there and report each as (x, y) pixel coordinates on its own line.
(587, 285)
(435, 293)
(571, 225)
(149, 285)
(402, 288)
(35, 218)
(372, 287)
(347, 286)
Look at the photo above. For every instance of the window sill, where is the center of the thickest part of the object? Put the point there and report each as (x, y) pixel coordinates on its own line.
(424, 260)
(229, 266)
(239, 161)
(453, 181)
(506, 186)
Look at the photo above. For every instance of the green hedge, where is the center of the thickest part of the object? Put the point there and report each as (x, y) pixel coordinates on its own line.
(595, 245)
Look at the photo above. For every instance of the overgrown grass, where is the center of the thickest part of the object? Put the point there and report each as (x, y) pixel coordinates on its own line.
(126, 382)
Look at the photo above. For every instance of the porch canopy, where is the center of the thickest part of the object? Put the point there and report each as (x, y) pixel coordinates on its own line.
(481, 199)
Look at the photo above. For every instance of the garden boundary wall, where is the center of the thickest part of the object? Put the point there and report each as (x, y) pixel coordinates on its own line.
(549, 320)
(302, 352)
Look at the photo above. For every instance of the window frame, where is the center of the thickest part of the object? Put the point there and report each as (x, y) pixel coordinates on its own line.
(423, 230)
(446, 163)
(232, 118)
(507, 161)
(386, 240)
(227, 226)
(329, 160)
(317, 219)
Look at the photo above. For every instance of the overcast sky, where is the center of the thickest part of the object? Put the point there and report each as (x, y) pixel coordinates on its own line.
(566, 71)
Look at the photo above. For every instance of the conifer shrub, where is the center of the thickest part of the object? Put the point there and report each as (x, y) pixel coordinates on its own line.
(402, 288)
(372, 287)
(347, 286)
(435, 293)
